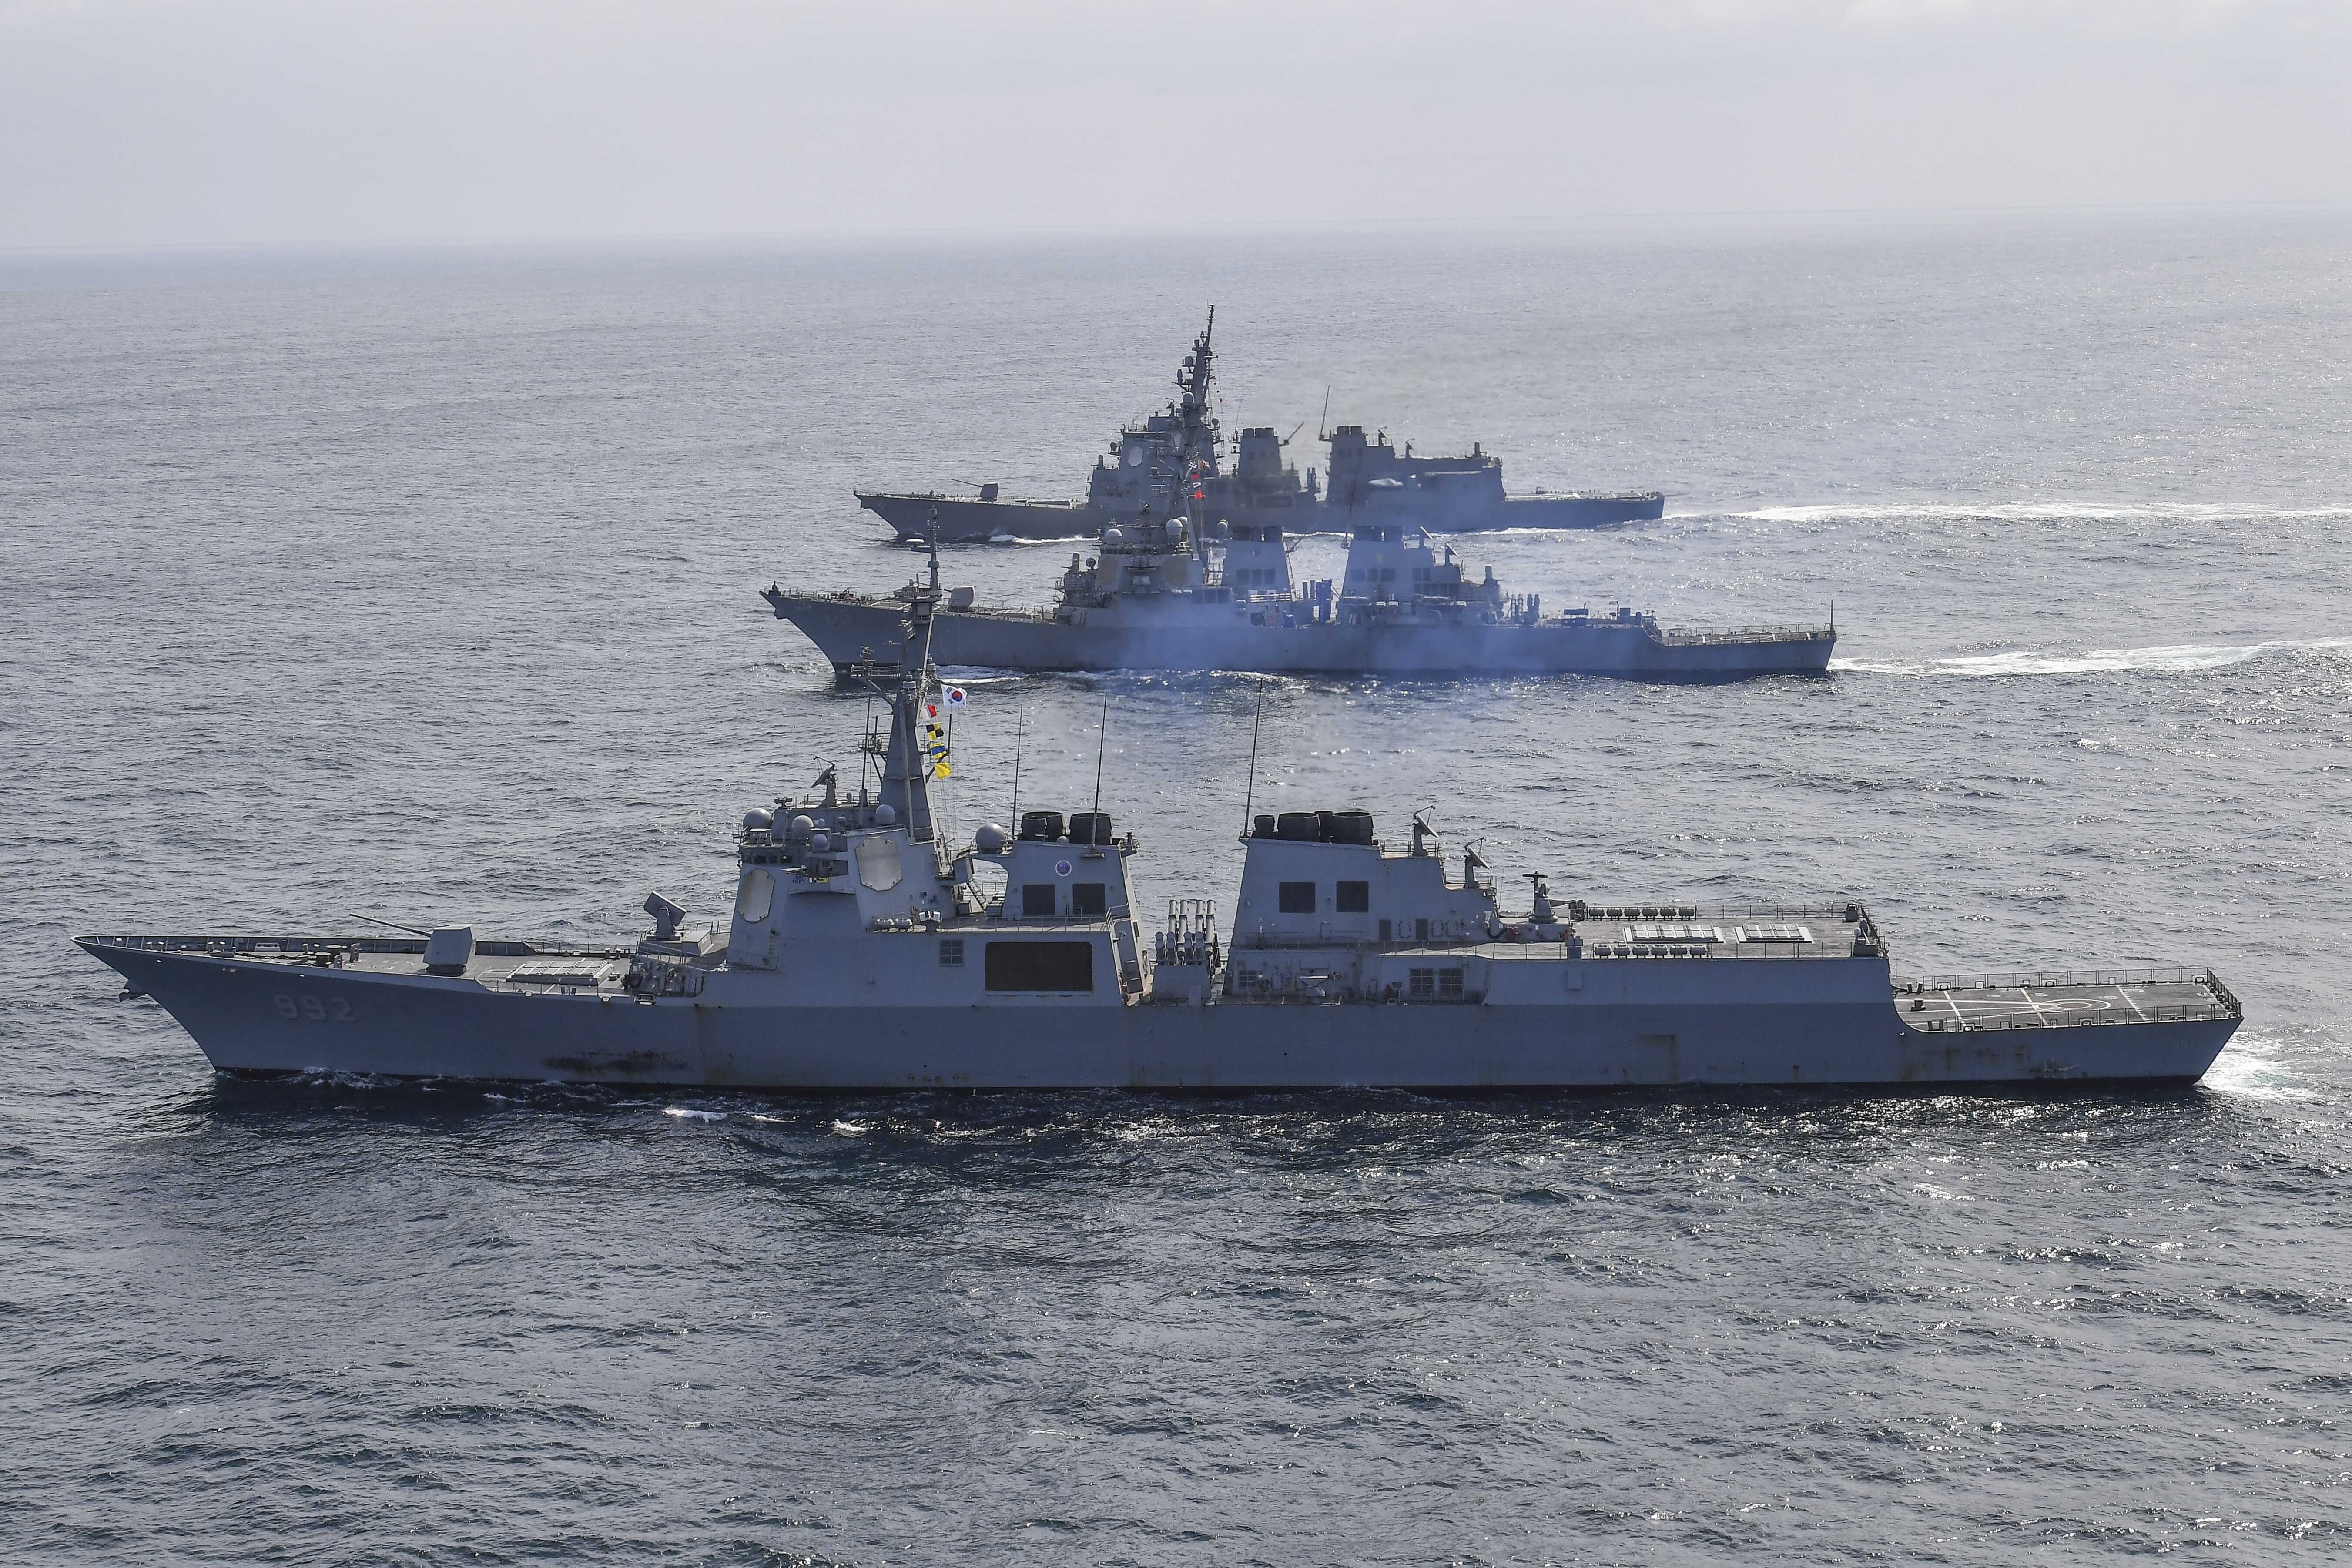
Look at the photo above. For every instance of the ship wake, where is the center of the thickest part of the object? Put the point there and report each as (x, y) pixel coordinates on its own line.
(2034, 511)
(2165, 658)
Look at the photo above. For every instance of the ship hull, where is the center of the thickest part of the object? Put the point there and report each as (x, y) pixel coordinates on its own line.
(1443, 514)
(976, 522)
(850, 631)
(1624, 1022)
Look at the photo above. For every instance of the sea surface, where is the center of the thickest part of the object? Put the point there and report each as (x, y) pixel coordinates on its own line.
(422, 587)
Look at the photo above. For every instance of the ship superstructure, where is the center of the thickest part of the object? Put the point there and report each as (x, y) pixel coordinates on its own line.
(1156, 459)
(864, 951)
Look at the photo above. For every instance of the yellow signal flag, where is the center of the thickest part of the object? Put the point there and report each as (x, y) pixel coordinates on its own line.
(940, 770)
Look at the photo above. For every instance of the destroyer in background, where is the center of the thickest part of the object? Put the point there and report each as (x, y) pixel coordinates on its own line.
(865, 953)
(1151, 461)
(1154, 599)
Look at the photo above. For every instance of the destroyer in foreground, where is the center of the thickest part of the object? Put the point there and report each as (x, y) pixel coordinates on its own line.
(1155, 599)
(863, 953)
(1371, 483)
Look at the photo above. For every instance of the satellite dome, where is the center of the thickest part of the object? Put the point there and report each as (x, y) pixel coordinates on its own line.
(990, 839)
(757, 821)
(820, 843)
(1113, 538)
(800, 827)
(885, 816)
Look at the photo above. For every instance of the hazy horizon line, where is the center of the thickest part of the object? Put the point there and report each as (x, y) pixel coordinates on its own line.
(881, 237)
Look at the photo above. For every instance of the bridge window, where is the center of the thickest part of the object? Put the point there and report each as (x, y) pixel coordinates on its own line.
(1037, 901)
(951, 952)
(1039, 966)
(1449, 985)
(1388, 931)
(1353, 898)
(1421, 985)
(1087, 899)
(1296, 898)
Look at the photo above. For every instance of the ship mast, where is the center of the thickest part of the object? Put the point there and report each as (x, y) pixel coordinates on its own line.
(1195, 457)
(1193, 408)
(906, 768)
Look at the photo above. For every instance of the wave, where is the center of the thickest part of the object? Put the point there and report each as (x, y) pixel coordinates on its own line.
(2034, 511)
(2096, 661)
(2251, 1068)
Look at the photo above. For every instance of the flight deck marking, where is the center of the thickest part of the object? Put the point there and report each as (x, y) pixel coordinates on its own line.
(2132, 1004)
(2027, 992)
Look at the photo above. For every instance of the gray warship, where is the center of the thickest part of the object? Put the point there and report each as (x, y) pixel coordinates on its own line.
(863, 953)
(1158, 595)
(1370, 482)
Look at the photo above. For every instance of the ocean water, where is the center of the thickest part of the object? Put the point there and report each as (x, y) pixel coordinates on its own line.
(423, 585)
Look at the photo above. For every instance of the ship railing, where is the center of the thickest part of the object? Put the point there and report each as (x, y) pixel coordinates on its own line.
(994, 910)
(296, 946)
(1760, 952)
(2222, 1003)
(1339, 943)
(1611, 913)
(1684, 637)
(1752, 951)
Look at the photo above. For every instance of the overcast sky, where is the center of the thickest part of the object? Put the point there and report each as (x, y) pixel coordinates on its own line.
(134, 123)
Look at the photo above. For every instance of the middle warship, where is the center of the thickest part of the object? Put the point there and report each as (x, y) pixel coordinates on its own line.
(864, 952)
(1371, 483)
(1154, 598)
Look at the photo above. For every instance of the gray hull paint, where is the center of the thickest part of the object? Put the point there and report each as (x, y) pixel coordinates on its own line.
(972, 522)
(1625, 1021)
(845, 630)
(975, 521)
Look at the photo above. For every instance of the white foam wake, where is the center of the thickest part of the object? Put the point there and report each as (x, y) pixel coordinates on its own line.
(2096, 661)
(2251, 1068)
(2037, 511)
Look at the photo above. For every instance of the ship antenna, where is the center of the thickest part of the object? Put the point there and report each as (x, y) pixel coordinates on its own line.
(1020, 723)
(1323, 418)
(1102, 734)
(1249, 800)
